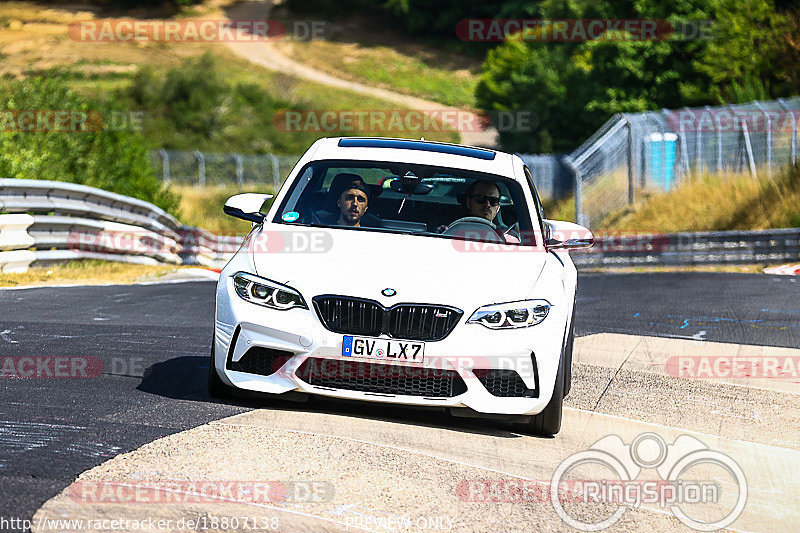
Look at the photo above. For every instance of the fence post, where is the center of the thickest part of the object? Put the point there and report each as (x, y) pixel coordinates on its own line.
(769, 136)
(794, 129)
(719, 138)
(239, 170)
(201, 168)
(698, 147)
(580, 218)
(276, 174)
(629, 126)
(164, 165)
(748, 147)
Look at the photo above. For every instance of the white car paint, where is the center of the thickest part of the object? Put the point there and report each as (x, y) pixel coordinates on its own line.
(421, 270)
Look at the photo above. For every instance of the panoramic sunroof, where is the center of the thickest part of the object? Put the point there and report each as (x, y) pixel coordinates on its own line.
(478, 153)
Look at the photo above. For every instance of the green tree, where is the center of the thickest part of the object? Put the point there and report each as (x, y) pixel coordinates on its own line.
(742, 56)
(112, 159)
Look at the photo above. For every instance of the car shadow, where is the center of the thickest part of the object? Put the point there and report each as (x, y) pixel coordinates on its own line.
(184, 378)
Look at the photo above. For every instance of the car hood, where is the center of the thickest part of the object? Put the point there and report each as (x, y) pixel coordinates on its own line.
(362, 263)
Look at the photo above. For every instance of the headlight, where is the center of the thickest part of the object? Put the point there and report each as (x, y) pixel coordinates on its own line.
(264, 292)
(511, 315)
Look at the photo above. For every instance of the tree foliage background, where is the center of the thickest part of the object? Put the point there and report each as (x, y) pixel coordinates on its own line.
(112, 159)
(751, 51)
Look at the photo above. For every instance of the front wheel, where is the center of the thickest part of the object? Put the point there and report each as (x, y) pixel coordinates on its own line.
(216, 387)
(548, 422)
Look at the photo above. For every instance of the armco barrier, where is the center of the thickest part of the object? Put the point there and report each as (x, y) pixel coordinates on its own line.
(51, 221)
(60, 198)
(701, 248)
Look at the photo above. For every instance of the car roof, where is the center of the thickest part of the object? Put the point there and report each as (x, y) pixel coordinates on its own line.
(415, 151)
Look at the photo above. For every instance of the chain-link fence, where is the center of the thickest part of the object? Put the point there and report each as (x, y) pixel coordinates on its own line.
(630, 154)
(206, 168)
(551, 174)
(633, 153)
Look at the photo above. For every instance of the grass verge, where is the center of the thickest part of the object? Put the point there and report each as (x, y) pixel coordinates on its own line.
(711, 202)
(202, 207)
(716, 203)
(86, 272)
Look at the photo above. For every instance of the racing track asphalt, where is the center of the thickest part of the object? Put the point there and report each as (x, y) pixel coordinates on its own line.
(154, 340)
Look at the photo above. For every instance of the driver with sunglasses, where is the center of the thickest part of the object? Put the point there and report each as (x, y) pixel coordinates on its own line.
(483, 200)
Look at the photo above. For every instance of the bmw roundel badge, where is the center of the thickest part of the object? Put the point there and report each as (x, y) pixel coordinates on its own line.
(388, 292)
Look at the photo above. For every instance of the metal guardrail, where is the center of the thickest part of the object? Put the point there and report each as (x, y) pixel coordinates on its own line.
(61, 198)
(109, 226)
(51, 221)
(700, 248)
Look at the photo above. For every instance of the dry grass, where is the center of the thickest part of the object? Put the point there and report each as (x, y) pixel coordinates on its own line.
(716, 202)
(562, 209)
(388, 68)
(86, 272)
(35, 39)
(202, 207)
(367, 47)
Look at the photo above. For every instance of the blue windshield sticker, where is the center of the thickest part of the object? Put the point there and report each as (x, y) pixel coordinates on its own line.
(291, 216)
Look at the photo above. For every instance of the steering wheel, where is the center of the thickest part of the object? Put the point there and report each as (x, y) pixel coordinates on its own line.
(467, 225)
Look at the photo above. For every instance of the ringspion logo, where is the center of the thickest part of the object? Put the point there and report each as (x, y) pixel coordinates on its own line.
(693, 482)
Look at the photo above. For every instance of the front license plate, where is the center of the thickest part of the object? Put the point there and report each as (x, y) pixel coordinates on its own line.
(386, 349)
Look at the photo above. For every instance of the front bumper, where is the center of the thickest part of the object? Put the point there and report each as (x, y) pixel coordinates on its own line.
(533, 353)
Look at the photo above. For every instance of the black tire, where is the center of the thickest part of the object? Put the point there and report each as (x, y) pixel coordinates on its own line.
(216, 387)
(548, 422)
(568, 356)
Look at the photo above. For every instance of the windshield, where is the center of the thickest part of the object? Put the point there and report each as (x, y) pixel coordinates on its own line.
(408, 198)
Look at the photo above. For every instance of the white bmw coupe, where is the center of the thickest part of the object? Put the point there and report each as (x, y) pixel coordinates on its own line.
(407, 272)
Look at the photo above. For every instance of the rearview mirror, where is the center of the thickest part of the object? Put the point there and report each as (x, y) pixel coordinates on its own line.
(563, 235)
(410, 187)
(247, 206)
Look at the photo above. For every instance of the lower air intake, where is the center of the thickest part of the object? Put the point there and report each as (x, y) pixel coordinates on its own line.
(381, 378)
(261, 361)
(505, 383)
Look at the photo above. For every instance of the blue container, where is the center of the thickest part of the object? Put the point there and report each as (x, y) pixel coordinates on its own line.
(662, 149)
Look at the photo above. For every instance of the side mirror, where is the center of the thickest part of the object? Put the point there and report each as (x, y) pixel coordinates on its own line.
(563, 235)
(247, 206)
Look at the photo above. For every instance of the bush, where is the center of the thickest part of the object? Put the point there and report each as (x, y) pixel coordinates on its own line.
(200, 104)
(112, 159)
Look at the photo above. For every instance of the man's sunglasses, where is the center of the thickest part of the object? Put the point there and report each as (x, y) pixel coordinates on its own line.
(494, 201)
